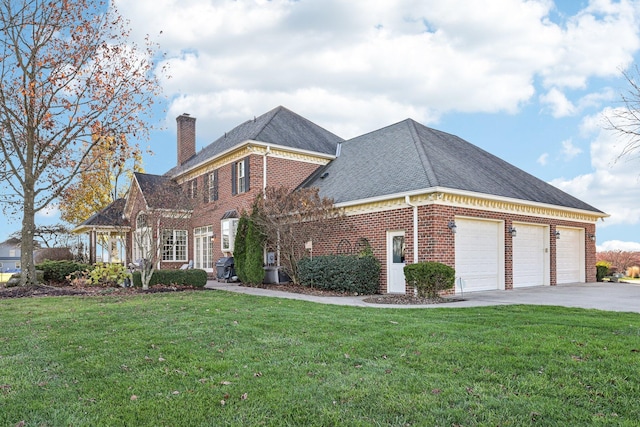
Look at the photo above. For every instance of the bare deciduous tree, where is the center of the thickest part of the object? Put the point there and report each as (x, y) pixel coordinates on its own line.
(289, 219)
(159, 233)
(620, 260)
(625, 121)
(67, 74)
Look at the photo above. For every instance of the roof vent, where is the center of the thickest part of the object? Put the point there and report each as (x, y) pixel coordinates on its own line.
(324, 175)
(338, 149)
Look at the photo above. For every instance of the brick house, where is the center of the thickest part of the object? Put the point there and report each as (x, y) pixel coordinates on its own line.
(414, 193)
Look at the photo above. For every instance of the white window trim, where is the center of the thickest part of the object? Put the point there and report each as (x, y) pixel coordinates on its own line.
(241, 177)
(227, 238)
(175, 246)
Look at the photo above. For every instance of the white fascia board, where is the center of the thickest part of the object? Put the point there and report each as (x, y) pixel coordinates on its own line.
(250, 142)
(464, 193)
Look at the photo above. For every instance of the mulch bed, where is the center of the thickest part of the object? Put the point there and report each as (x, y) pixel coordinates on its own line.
(66, 290)
(57, 291)
(396, 299)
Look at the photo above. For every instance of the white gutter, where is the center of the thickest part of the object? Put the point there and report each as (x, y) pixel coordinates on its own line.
(407, 200)
(264, 171)
(432, 190)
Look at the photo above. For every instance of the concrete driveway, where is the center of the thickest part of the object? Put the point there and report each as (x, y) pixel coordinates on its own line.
(602, 296)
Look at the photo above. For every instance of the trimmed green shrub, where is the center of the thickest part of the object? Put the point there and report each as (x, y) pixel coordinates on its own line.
(342, 273)
(602, 270)
(108, 274)
(240, 248)
(430, 278)
(253, 257)
(196, 278)
(58, 271)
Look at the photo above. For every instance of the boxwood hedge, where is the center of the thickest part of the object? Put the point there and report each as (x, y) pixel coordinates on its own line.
(196, 278)
(342, 273)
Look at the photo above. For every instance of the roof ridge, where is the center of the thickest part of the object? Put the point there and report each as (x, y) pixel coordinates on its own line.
(276, 111)
(422, 154)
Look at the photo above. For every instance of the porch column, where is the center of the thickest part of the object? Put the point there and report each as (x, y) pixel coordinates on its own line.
(92, 246)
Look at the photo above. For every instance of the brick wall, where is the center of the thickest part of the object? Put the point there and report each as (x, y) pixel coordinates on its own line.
(436, 242)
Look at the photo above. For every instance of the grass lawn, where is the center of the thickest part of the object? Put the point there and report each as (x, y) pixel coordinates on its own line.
(212, 358)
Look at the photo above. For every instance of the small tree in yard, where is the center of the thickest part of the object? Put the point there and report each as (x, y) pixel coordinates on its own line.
(68, 73)
(253, 265)
(160, 231)
(248, 251)
(240, 248)
(288, 219)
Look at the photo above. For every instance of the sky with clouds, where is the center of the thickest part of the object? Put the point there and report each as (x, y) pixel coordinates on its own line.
(529, 81)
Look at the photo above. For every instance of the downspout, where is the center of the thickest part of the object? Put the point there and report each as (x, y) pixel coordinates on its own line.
(264, 171)
(407, 200)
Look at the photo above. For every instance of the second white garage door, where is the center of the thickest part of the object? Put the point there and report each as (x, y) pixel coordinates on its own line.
(479, 260)
(529, 257)
(570, 256)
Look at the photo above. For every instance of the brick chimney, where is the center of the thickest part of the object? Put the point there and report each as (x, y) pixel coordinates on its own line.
(186, 137)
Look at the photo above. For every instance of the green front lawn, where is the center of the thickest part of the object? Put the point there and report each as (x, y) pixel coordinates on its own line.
(211, 358)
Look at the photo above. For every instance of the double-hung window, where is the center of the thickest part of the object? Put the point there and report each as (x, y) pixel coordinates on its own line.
(240, 176)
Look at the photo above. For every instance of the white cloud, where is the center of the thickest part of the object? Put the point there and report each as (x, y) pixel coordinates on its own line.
(422, 57)
(618, 245)
(558, 102)
(542, 160)
(613, 185)
(569, 150)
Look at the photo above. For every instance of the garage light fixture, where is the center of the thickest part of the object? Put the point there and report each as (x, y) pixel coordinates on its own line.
(512, 231)
(557, 234)
(452, 226)
(592, 237)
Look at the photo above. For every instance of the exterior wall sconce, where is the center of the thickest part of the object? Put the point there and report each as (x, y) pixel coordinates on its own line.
(213, 237)
(512, 230)
(557, 234)
(592, 237)
(452, 226)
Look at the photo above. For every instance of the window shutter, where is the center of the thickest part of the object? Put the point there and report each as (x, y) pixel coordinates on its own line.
(234, 179)
(205, 187)
(246, 174)
(215, 185)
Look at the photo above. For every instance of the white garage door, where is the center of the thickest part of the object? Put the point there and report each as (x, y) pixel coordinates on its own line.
(478, 255)
(569, 256)
(529, 256)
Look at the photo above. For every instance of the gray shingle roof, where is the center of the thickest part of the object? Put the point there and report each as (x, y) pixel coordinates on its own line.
(161, 192)
(408, 156)
(111, 216)
(279, 126)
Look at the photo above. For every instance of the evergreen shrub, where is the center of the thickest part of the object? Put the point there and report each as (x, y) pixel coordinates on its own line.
(341, 273)
(58, 271)
(196, 278)
(430, 278)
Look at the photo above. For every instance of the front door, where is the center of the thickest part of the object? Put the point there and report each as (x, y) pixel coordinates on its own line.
(395, 262)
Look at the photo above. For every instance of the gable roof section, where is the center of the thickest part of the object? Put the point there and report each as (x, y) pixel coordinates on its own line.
(111, 216)
(279, 126)
(408, 156)
(155, 190)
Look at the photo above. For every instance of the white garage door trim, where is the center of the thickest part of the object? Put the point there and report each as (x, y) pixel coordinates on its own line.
(479, 252)
(570, 256)
(530, 255)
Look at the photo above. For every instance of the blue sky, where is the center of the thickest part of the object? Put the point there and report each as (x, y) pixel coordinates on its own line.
(529, 81)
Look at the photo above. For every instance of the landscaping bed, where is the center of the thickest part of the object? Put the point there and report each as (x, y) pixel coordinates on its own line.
(62, 290)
